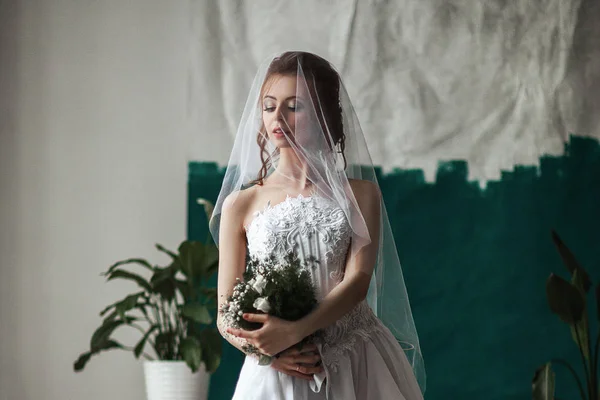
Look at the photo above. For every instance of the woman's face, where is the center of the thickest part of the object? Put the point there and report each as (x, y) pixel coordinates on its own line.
(283, 108)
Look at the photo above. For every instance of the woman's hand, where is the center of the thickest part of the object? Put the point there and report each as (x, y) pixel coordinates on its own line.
(301, 363)
(273, 337)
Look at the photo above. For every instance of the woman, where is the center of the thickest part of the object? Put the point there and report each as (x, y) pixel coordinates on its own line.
(300, 179)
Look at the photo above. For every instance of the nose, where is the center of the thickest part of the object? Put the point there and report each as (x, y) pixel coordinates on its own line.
(279, 115)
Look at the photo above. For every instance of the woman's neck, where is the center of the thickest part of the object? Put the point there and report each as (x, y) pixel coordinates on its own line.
(293, 169)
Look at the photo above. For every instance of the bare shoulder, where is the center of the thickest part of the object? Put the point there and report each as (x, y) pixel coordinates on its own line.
(366, 192)
(237, 204)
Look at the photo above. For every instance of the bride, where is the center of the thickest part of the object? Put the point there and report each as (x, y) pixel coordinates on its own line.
(300, 179)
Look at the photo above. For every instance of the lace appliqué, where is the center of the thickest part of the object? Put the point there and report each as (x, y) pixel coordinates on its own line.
(305, 224)
(341, 337)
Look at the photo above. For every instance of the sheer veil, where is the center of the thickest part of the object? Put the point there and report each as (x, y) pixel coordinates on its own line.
(329, 144)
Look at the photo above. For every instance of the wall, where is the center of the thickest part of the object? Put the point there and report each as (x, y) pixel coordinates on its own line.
(93, 170)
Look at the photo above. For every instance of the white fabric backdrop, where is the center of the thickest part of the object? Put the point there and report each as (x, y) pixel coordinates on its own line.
(495, 83)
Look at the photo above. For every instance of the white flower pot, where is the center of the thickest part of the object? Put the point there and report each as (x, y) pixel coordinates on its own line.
(174, 380)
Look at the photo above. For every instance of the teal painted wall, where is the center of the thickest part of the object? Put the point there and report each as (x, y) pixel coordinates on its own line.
(475, 263)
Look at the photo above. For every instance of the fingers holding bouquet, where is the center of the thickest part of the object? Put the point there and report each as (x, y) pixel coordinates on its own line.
(273, 337)
(301, 363)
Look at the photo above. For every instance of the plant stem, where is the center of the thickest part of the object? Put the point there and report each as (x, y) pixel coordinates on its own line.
(592, 371)
(595, 363)
(156, 313)
(585, 366)
(146, 356)
(568, 366)
(143, 331)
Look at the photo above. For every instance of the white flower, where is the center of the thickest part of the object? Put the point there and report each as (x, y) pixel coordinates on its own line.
(259, 283)
(262, 304)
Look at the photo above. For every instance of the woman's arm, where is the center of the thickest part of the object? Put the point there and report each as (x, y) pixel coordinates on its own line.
(359, 268)
(232, 256)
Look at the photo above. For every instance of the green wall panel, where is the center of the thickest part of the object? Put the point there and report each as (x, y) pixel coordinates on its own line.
(475, 263)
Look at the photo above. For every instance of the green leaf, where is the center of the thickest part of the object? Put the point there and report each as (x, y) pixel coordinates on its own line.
(171, 254)
(197, 313)
(192, 259)
(102, 334)
(119, 273)
(543, 383)
(199, 261)
(139, 347)
(191, 352)
(185, 289)
(564, 299)
(110, 317)
(571, 262)
(139, 261)
(127, 304)
(212, 348)
(79, 365)
(163, 282)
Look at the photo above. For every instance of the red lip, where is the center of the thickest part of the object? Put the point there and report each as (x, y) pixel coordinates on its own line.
(278, 132)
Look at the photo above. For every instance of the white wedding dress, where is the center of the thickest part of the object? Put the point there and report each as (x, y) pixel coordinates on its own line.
(361, 358)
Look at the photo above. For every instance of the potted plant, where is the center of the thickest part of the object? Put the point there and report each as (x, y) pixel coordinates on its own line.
(174, 313)
(568, 300)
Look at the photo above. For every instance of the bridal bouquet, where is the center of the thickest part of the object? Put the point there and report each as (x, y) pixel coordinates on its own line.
(281, 288)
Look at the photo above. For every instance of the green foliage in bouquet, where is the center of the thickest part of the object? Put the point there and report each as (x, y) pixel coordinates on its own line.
(568, 300)
(283, 289)
(173, 311)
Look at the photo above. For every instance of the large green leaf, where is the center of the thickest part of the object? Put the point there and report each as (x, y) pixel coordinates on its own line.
(102, 334)
(163, 282)
(139, 347)
(197, 313)
(110, 317)
(191, 352)
(122, 274)
(543, 383)
(79, 365)
(139, 261)
(128, 303)
(192, 259)
(212, 347)
(564, 299)
(185, 288)
(199, 260)
(571, 262)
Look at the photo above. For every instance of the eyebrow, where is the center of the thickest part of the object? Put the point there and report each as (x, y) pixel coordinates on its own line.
(271, 97)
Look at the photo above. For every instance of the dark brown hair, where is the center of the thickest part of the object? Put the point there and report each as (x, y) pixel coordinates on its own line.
(325, 86)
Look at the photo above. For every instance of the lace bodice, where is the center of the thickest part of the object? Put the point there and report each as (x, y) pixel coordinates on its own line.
(312, 227)
(316, 229)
